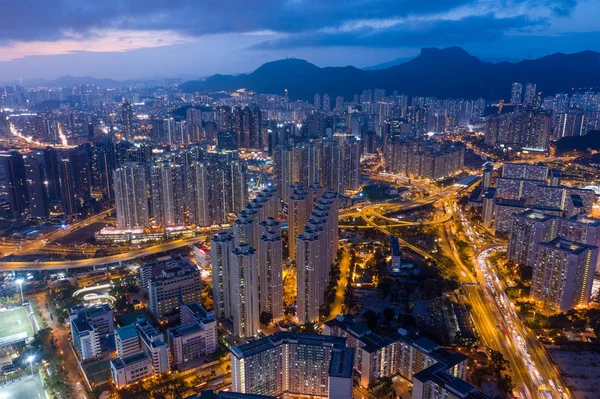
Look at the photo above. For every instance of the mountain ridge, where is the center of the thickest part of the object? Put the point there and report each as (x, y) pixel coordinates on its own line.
(443, 73)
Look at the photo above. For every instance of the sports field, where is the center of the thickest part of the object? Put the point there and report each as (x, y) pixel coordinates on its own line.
(15, 321)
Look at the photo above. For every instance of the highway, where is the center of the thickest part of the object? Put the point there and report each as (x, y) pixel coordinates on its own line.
(495, 318)
(127, 256)
(498, 323)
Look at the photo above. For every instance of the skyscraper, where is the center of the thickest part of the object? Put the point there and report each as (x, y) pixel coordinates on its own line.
(298, 211)
(515, 93)
(529, 95)
(167, 194)
(310, 262)
(326, 103)
(270, 259)
(67, 187)
(528, 229)
(563, 274)
(127, 121)
(130, 196)
(296, 364)
(243, 278)
(221, 246)
(36, 189)
(14, 170)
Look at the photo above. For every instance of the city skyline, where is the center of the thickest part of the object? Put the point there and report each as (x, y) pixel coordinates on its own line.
(193, 40)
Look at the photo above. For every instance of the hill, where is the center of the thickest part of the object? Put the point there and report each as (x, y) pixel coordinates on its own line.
(449, 72)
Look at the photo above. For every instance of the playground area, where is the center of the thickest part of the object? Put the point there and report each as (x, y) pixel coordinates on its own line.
(15, 325)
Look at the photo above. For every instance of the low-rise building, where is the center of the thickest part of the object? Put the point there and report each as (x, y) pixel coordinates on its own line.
(404, 353)
(151, 357)
(176, 283)
(435, 382)
(195, 337)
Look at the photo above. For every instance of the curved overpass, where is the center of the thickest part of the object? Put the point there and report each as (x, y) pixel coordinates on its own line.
(106, 260)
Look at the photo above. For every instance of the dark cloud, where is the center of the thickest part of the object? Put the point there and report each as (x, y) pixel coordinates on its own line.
(484, 28)
(26, 20)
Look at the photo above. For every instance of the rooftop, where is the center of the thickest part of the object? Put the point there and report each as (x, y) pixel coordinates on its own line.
(127, 332)
(567, 245)
(438, 375)
(280, 338)
(121, 362)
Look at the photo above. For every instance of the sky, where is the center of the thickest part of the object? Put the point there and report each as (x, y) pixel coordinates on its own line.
(128, 39)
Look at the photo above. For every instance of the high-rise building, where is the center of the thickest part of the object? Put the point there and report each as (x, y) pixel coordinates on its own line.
(310, 262)
(67, 187)
(199, 195)
(528, 129)
(248, 122)
(581, 228)
(487, 180)
(295, 364)
(221, 246)
(418, 158)
(175, 284)
(339, 104)
(299, 207)
(316, 250)
(243, 277)
(570, 123)
(529, 95)
(127, 121)
(563, 274)
(516, 93)
(167, 194)
(16, 185)
(326, 103)
(130, 196)
(317, 101)
(36, 189)
(270, 260)
(528, 229)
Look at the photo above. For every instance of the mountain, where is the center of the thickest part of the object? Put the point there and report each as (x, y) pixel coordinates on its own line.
(69, 81)
(389, 64)
(443, 73)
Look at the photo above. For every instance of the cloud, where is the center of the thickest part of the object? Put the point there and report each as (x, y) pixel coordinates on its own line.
(38, 27)
(51, 20)
(410, 33)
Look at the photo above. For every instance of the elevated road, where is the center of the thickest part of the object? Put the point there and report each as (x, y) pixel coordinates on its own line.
(106, 260)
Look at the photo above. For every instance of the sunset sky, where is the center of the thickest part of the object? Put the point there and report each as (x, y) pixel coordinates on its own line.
(196, 38)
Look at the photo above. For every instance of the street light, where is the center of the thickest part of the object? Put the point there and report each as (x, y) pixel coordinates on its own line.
(20, 283)
(30, 359)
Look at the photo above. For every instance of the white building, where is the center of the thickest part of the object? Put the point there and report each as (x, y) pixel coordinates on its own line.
(127, 341)
(195, 337)
(151, 358)
(174, 284)
(86, 338)
(87, 326)
(131, 369)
